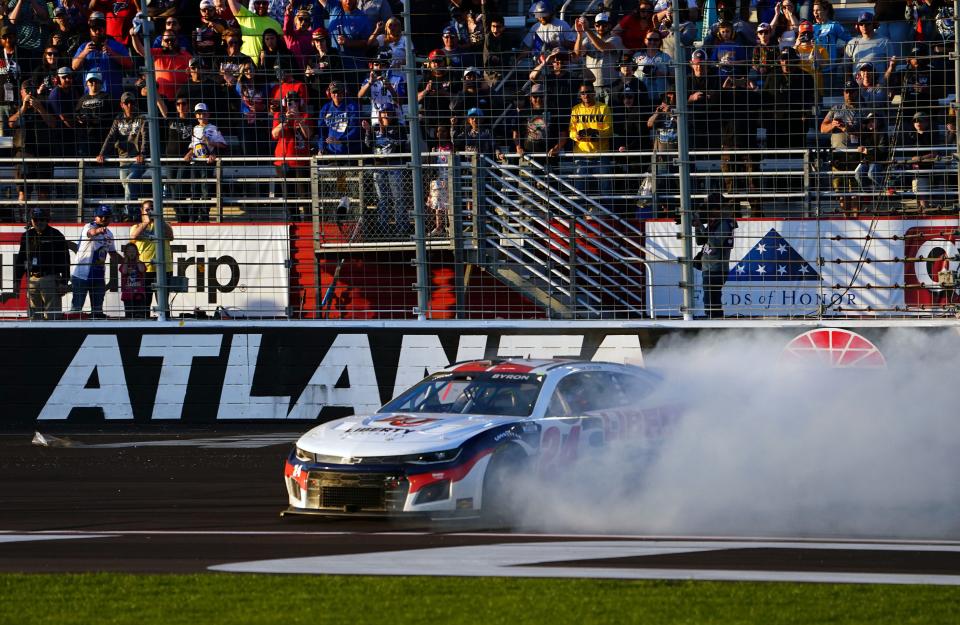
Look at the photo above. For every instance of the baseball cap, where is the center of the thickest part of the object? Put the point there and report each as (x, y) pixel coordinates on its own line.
(59, 12)
(320, 33)
(541, 8)
(93, 76)
(475, 112)
(537, 89)
(383, 57)
(865, 18)
(449, 30)
(919, 115)
(38, 211)
(64, 71)
(805, 27)
(437, 55)
(602, 18)
(97, 16)
(195, 62)
(207, 4)
(128, 96)
(103, 211)
(763, 26)
(335, 87)
(699, 55)
(200, 107)
(472, 70)
(851, 86)
(865, 67)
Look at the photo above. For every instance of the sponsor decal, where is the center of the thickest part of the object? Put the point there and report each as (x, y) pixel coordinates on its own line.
(237, 266)
(307, 374)
(407, 422)
(834, 347)
(923, 248)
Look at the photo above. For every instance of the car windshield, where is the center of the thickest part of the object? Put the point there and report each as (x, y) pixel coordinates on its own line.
(497, 394)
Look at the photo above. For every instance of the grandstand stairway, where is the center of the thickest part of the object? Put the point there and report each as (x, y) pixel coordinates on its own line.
(558, 247)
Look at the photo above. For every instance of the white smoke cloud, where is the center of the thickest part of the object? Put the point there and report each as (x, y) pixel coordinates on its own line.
(767, 449)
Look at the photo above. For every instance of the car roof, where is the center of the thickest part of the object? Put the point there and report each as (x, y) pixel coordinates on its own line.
(529, 365)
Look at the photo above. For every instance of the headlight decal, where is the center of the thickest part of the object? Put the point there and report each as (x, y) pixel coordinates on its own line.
(453, 474)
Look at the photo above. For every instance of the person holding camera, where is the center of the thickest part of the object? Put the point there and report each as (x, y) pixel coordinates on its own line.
(842, 123)
(293, 131)
(103, 54)
(384, 87)
(714, 232)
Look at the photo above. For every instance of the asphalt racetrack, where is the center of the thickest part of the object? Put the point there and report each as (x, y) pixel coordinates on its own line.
(211, 500)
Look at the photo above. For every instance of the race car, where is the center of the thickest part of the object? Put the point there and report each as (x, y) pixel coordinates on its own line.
(458, 443)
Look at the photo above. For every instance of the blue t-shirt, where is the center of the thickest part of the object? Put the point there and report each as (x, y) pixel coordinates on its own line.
(341, 123)
(101, 62)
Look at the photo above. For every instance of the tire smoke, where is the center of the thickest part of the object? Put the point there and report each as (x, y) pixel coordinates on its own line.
(766, 448)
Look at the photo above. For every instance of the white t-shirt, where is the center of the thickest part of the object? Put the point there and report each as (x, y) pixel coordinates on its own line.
(204, 137)
(379, 96)
(549, 36)
(92, 253)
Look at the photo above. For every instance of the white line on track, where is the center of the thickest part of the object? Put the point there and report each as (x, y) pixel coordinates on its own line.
(28, 537)
(514, 560)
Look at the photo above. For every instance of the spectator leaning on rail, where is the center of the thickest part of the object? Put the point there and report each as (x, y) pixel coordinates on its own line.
(388, 137)
(44, 258)
(128, 137)
(842, 122)
(96, 244)
(145, 236)
(103, 54)
(591, 128)
(205, 144)
(601, 53)
(536, 132)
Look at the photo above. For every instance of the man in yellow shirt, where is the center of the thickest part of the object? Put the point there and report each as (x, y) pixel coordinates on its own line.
(591, 128)
(145, 237)
(252, 24)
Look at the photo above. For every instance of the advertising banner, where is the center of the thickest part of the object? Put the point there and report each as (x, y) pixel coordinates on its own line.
(242, 267)
(804, 267)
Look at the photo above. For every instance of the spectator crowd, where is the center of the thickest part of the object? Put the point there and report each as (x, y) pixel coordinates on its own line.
(290, 79)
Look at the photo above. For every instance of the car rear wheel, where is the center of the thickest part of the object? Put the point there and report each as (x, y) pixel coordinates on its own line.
(501, 484)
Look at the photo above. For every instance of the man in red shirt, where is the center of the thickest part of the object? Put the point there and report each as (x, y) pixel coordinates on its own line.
(171, 63)
(293, 131)
(633, 27)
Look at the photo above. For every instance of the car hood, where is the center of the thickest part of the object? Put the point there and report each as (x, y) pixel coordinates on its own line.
(396, 434)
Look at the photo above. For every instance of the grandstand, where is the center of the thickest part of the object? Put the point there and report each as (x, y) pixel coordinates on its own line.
(527, 164)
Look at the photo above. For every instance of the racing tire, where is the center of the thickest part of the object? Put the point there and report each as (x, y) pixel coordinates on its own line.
(499, 498)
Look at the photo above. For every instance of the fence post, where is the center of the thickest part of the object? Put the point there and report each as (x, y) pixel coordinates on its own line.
(218, 174)
(81, 174)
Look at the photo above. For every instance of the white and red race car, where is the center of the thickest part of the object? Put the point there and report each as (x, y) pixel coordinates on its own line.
(457, 443)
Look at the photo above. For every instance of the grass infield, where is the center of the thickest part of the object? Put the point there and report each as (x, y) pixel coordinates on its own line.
(207, 599)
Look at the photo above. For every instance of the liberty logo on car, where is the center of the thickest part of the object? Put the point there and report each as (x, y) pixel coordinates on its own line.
(406, 422)
(925, 246)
